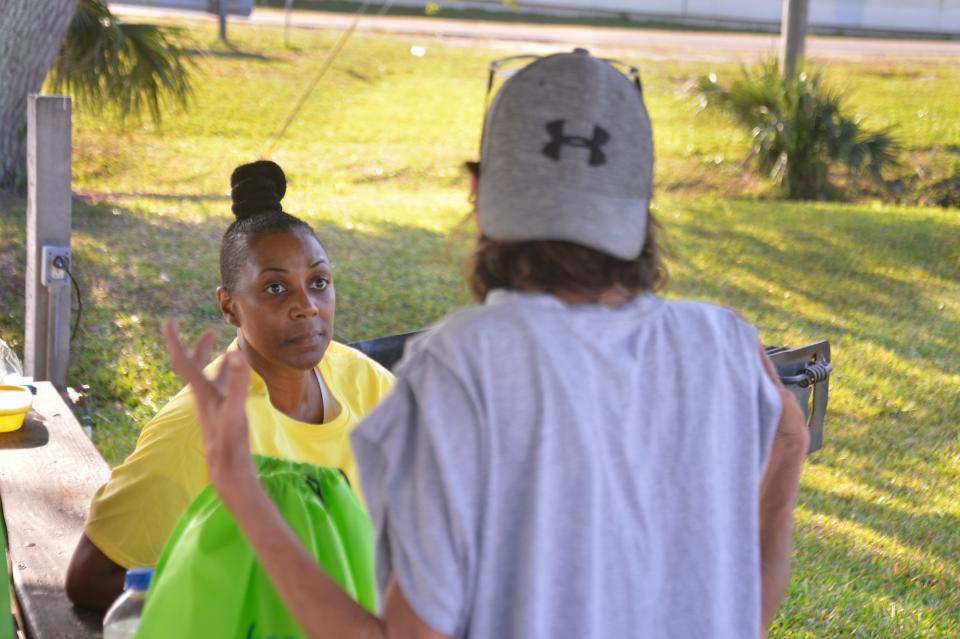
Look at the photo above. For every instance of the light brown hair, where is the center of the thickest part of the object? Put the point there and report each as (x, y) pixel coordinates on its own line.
(551, 266)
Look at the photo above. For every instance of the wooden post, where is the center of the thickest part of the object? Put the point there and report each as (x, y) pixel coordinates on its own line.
(793, 33)
(47, 347)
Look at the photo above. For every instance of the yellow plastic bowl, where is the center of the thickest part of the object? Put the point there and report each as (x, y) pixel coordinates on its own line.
(15, 403)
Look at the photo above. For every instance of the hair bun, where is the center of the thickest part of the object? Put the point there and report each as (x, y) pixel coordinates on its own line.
(256, 188)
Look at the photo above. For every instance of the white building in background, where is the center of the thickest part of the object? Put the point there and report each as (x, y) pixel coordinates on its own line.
(934, 17)
(931, 17)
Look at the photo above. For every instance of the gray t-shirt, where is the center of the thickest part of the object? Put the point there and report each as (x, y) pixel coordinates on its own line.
(541, 470)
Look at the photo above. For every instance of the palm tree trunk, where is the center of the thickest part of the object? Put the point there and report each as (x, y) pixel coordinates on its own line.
(30, 35)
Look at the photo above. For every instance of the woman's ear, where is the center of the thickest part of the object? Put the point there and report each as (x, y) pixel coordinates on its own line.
(225, 301)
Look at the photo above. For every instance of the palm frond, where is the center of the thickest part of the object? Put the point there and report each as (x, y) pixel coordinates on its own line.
(136, 68)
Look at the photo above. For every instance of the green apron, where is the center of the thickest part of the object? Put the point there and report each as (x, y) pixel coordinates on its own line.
(208, 582)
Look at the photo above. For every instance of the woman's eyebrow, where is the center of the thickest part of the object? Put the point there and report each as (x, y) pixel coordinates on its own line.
(277, 269)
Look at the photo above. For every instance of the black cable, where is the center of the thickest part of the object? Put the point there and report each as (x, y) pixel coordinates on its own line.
(59, 262)
(324, 67)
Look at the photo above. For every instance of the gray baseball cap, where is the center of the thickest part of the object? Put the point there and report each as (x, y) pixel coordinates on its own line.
(567, 154)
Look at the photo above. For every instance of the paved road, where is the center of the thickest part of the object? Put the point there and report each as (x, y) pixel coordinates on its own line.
(642, 43)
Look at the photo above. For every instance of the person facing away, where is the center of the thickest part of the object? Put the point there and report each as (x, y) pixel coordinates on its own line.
(307, 393)
(577, 456)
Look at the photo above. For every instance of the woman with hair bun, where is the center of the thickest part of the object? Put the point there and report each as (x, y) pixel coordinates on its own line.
(306, 392)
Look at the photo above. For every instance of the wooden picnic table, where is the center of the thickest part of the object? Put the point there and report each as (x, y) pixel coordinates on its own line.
(49, 469)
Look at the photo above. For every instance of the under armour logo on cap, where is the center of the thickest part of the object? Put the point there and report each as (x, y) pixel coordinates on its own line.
(567, 155)
(558, 139)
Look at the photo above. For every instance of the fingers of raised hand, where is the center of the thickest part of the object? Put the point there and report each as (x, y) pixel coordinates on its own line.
(221, 378)
(178, 356)
(237, 381)
(189, 366)
(226, 435)
(233, 415)
(201, 349)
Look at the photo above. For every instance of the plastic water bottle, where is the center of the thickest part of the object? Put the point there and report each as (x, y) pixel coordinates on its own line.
(124, 615)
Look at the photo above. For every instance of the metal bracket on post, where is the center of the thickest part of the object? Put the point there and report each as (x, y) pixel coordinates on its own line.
(47, 331)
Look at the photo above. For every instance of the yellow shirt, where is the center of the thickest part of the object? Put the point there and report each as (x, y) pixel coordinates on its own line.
(132, 515)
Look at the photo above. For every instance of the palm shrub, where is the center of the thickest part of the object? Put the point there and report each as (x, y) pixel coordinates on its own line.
(133, 67)
(799, 128)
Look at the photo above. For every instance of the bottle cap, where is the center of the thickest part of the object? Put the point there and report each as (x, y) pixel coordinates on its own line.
(138, 578)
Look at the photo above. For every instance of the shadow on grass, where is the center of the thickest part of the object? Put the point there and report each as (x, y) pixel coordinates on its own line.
(861, 270)
(847, 584)
(232, 52)
(922, 532)
(97, 197)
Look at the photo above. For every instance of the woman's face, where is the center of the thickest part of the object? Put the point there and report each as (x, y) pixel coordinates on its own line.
(283, 301)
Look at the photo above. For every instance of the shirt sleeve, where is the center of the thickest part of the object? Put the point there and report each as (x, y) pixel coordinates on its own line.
(769, 404)
(132, 515)
(418, 454)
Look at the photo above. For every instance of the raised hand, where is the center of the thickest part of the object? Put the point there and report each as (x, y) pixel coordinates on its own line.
(220, 404)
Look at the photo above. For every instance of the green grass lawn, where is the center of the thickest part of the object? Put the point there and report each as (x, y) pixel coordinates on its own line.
(374, 163)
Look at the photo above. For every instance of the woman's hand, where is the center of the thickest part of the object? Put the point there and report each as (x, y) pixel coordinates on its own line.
(321, 607)
(221, 411)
